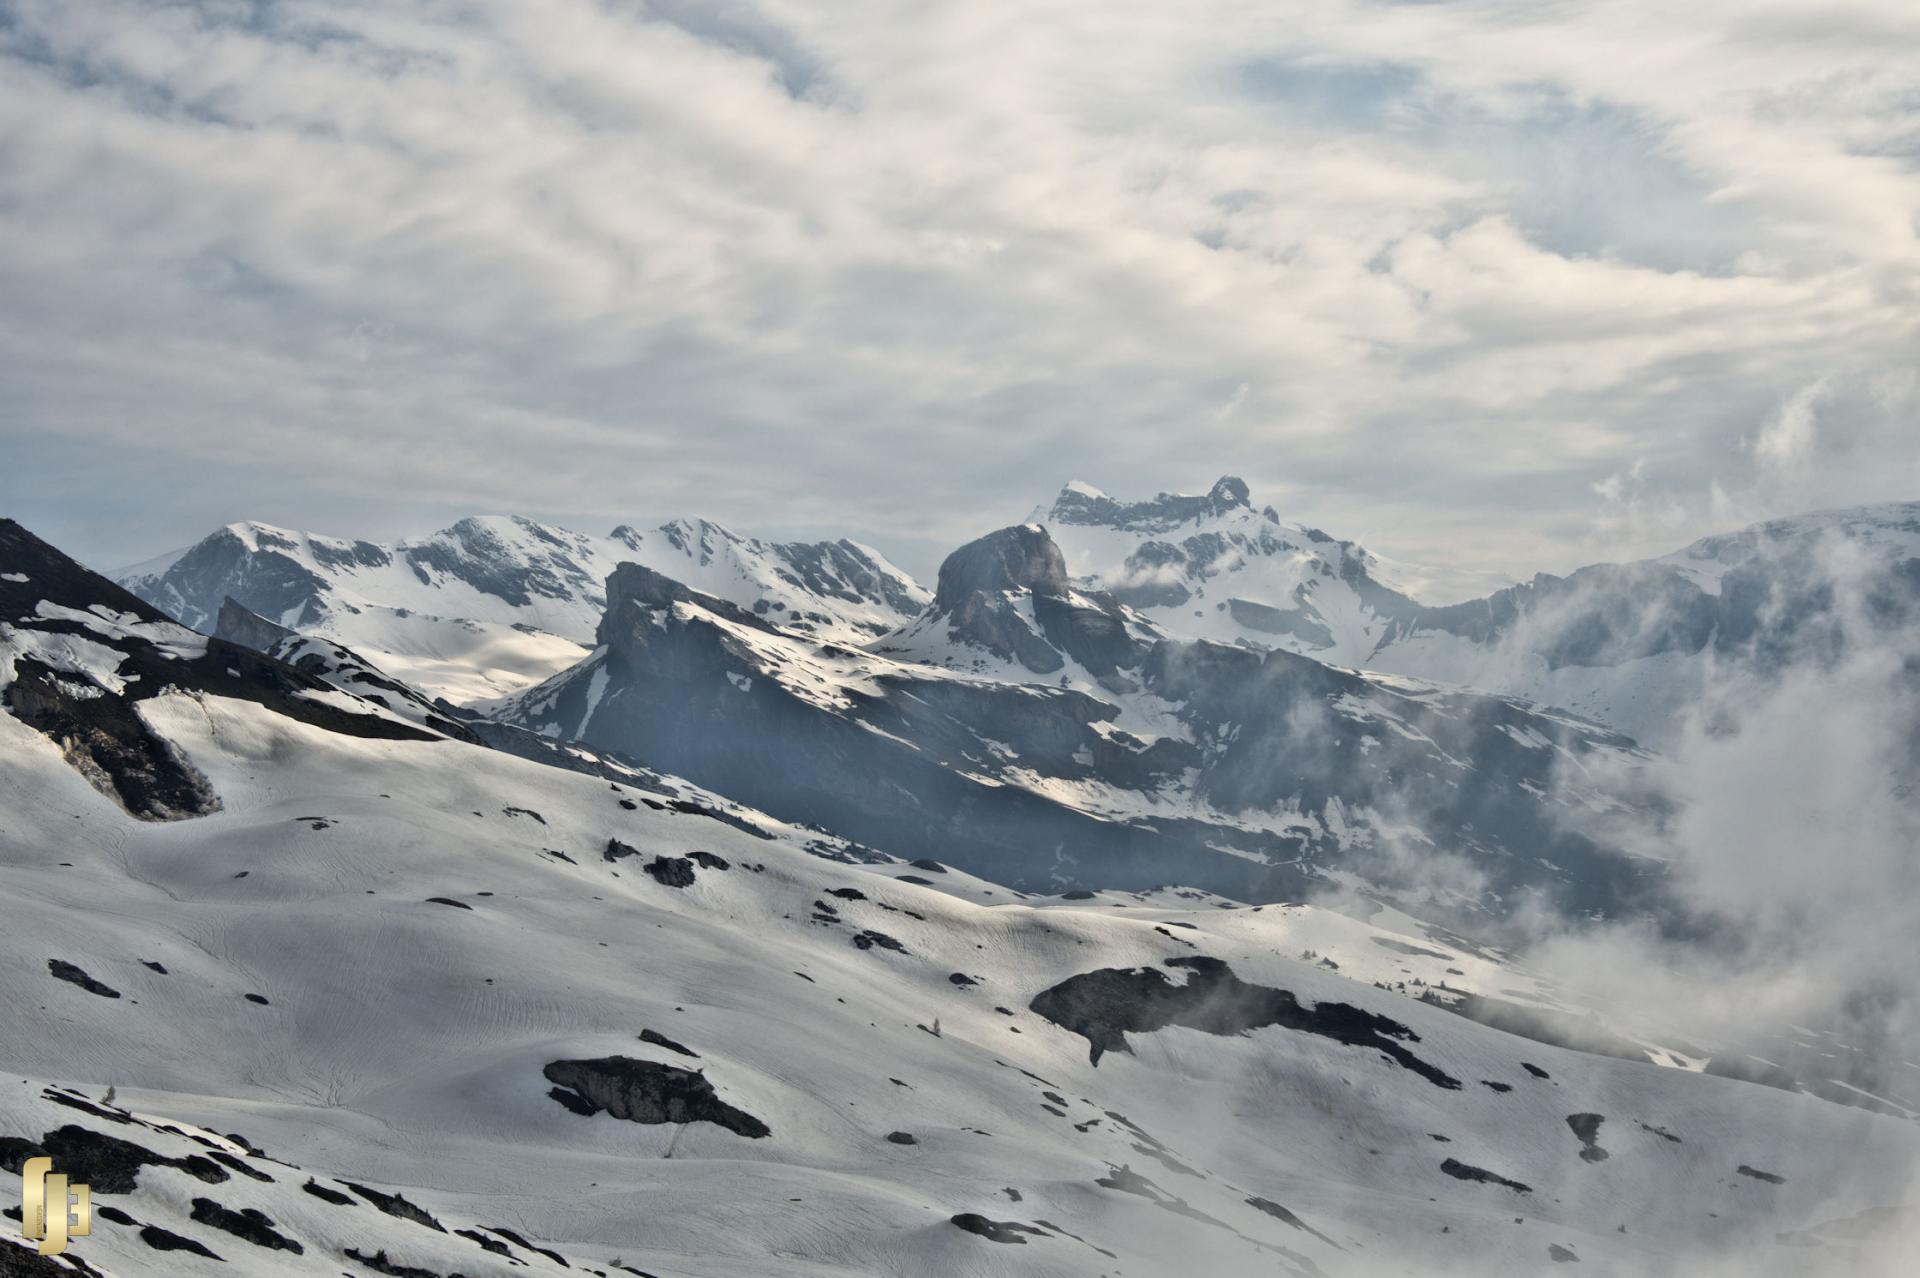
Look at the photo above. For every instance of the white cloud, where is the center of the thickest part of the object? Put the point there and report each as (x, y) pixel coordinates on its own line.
(893, 268)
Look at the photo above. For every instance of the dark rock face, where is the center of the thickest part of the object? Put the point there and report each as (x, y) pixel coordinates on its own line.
(671, 871)
(379, 1263)
(109, 743)
(325, 1194)
(646, 1092)
(493, 1245)
(1464, 1171)
(1586, 1127)
(166, 1240)
(524, 1245)
(1013, 559)
(661, 1040)
(1280, 1213)
(984, 583)
(1104, 1006)
(249, 1224)
(1756, 1174)
(24, 1262)
(1615, 613)
(397, 1206)
(1000, 1231)
(108, 1163)
(1302, 623)
(65, 971)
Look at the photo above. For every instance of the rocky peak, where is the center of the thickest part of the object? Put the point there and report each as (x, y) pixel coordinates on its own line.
(1019, 558)
(635, 593)
(1087, 506)
(1229, 491)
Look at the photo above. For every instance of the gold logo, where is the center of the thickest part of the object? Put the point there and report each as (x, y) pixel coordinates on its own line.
(72, 1215)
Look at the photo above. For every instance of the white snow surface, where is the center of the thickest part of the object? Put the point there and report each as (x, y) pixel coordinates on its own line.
(403, 1041)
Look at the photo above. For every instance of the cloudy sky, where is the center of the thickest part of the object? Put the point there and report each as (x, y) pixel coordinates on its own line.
(1508, 285)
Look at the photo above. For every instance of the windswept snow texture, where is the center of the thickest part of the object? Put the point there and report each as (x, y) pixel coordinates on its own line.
(494, 604)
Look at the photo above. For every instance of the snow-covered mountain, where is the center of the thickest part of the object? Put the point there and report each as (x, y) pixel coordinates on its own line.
(385, 1001)
(1053, 738)
(494, 604)
(1635, 645)
(1216, 567)
(1630, 645)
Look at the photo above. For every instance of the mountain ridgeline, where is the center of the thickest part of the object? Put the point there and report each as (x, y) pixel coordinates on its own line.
(1054, 740)
(1113, 694)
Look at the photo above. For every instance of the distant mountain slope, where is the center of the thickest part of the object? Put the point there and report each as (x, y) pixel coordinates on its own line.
(1052, 738)
(494, 604)
(403, 1005)
(1635, 644)
(1631, 645)
(1216, 567)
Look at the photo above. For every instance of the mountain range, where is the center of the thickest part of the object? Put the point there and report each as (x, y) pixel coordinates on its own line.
(677, 903)
(492, 604)
(306, 980)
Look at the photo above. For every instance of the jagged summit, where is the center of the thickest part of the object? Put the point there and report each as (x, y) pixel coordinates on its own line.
(1216, 567)
(1082, 503)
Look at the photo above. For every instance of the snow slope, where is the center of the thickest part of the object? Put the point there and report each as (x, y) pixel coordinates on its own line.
(394, 1002)
(404, 1044)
